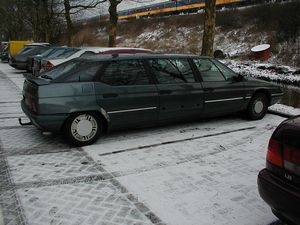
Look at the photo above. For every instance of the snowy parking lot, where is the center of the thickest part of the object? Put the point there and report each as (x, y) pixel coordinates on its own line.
(197, 173)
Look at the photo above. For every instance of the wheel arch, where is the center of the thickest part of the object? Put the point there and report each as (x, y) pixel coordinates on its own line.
(101, 113)
(262, 91)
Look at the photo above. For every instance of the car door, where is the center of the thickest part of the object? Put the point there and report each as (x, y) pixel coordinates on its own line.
(180, 93)
(223, 93)
(125, 91)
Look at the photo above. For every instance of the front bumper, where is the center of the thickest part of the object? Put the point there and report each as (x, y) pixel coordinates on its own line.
(51, 123)
(280, 195)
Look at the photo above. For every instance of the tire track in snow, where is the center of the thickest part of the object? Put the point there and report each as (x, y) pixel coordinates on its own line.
(175, 141)
(194, 157)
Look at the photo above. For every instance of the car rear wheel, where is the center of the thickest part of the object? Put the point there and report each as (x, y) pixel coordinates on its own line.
(258, 106)
(83, 128)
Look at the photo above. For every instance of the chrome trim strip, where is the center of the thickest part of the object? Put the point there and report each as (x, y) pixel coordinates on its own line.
(248, 97)
(131, 110)
(224, 100)
(280, 94)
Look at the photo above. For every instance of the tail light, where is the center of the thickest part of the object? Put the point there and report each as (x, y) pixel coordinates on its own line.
(32, 105)
(48, 65)
(274, 154)
(284, 156)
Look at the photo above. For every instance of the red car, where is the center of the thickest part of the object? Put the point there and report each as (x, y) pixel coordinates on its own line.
(279, 182)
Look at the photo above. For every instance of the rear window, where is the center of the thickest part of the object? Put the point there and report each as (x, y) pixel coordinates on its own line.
(67, 53)
(34, 50)
(55, 53)
(47, 52)
(24, 50)
(73, 71)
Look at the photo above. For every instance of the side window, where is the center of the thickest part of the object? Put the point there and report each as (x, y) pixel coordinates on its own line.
(208, 70)
(172, 71)
(125, 72)
(85, 73)
(228, 73)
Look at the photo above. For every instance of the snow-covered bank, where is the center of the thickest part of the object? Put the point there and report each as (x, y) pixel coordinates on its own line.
(285, 109)
(266, 71)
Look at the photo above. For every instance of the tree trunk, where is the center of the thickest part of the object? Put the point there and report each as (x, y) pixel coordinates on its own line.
(47, 36)
(70, 28)
(209, 28)
(113, 22)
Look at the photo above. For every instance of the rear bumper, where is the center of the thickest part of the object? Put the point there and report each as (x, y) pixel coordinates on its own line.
(281, 196)
(51, 123)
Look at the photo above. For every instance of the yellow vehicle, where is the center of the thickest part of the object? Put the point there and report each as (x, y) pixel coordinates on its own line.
(15, 46)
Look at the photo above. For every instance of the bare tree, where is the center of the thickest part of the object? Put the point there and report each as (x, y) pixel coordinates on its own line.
(209, 28)
(49, 13)
(73, 7)
(11, 20)
(29, 19)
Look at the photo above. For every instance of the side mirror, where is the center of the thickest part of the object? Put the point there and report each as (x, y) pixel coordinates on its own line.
(238, 78)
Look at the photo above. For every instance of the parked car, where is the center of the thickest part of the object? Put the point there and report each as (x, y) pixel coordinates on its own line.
(3, 51)
(52, 53)
(279, 182)
(89, 51)
(19, 60)
(85, 97)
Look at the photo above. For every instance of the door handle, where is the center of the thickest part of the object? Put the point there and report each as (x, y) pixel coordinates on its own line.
(208, 89)
(165, 92)
(110, 95)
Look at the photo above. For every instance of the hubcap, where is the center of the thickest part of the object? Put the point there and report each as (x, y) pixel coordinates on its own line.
(258, 106)
(84, 127)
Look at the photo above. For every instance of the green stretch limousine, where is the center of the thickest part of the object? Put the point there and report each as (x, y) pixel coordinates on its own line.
(85, 97)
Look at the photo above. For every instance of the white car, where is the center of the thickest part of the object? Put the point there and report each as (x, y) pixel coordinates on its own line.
(89, 51)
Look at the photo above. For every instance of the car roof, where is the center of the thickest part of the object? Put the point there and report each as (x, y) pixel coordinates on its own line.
(104, 49)
(37, 44)
(137, 56)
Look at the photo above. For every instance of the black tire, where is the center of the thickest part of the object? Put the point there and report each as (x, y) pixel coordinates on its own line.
(83, 128)
(258, 106)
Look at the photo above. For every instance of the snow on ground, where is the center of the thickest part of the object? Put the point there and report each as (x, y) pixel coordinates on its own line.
(203, 172)
(206, 180)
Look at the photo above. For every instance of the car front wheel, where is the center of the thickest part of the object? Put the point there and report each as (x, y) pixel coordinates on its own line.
(258, 106)
(83, 128)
